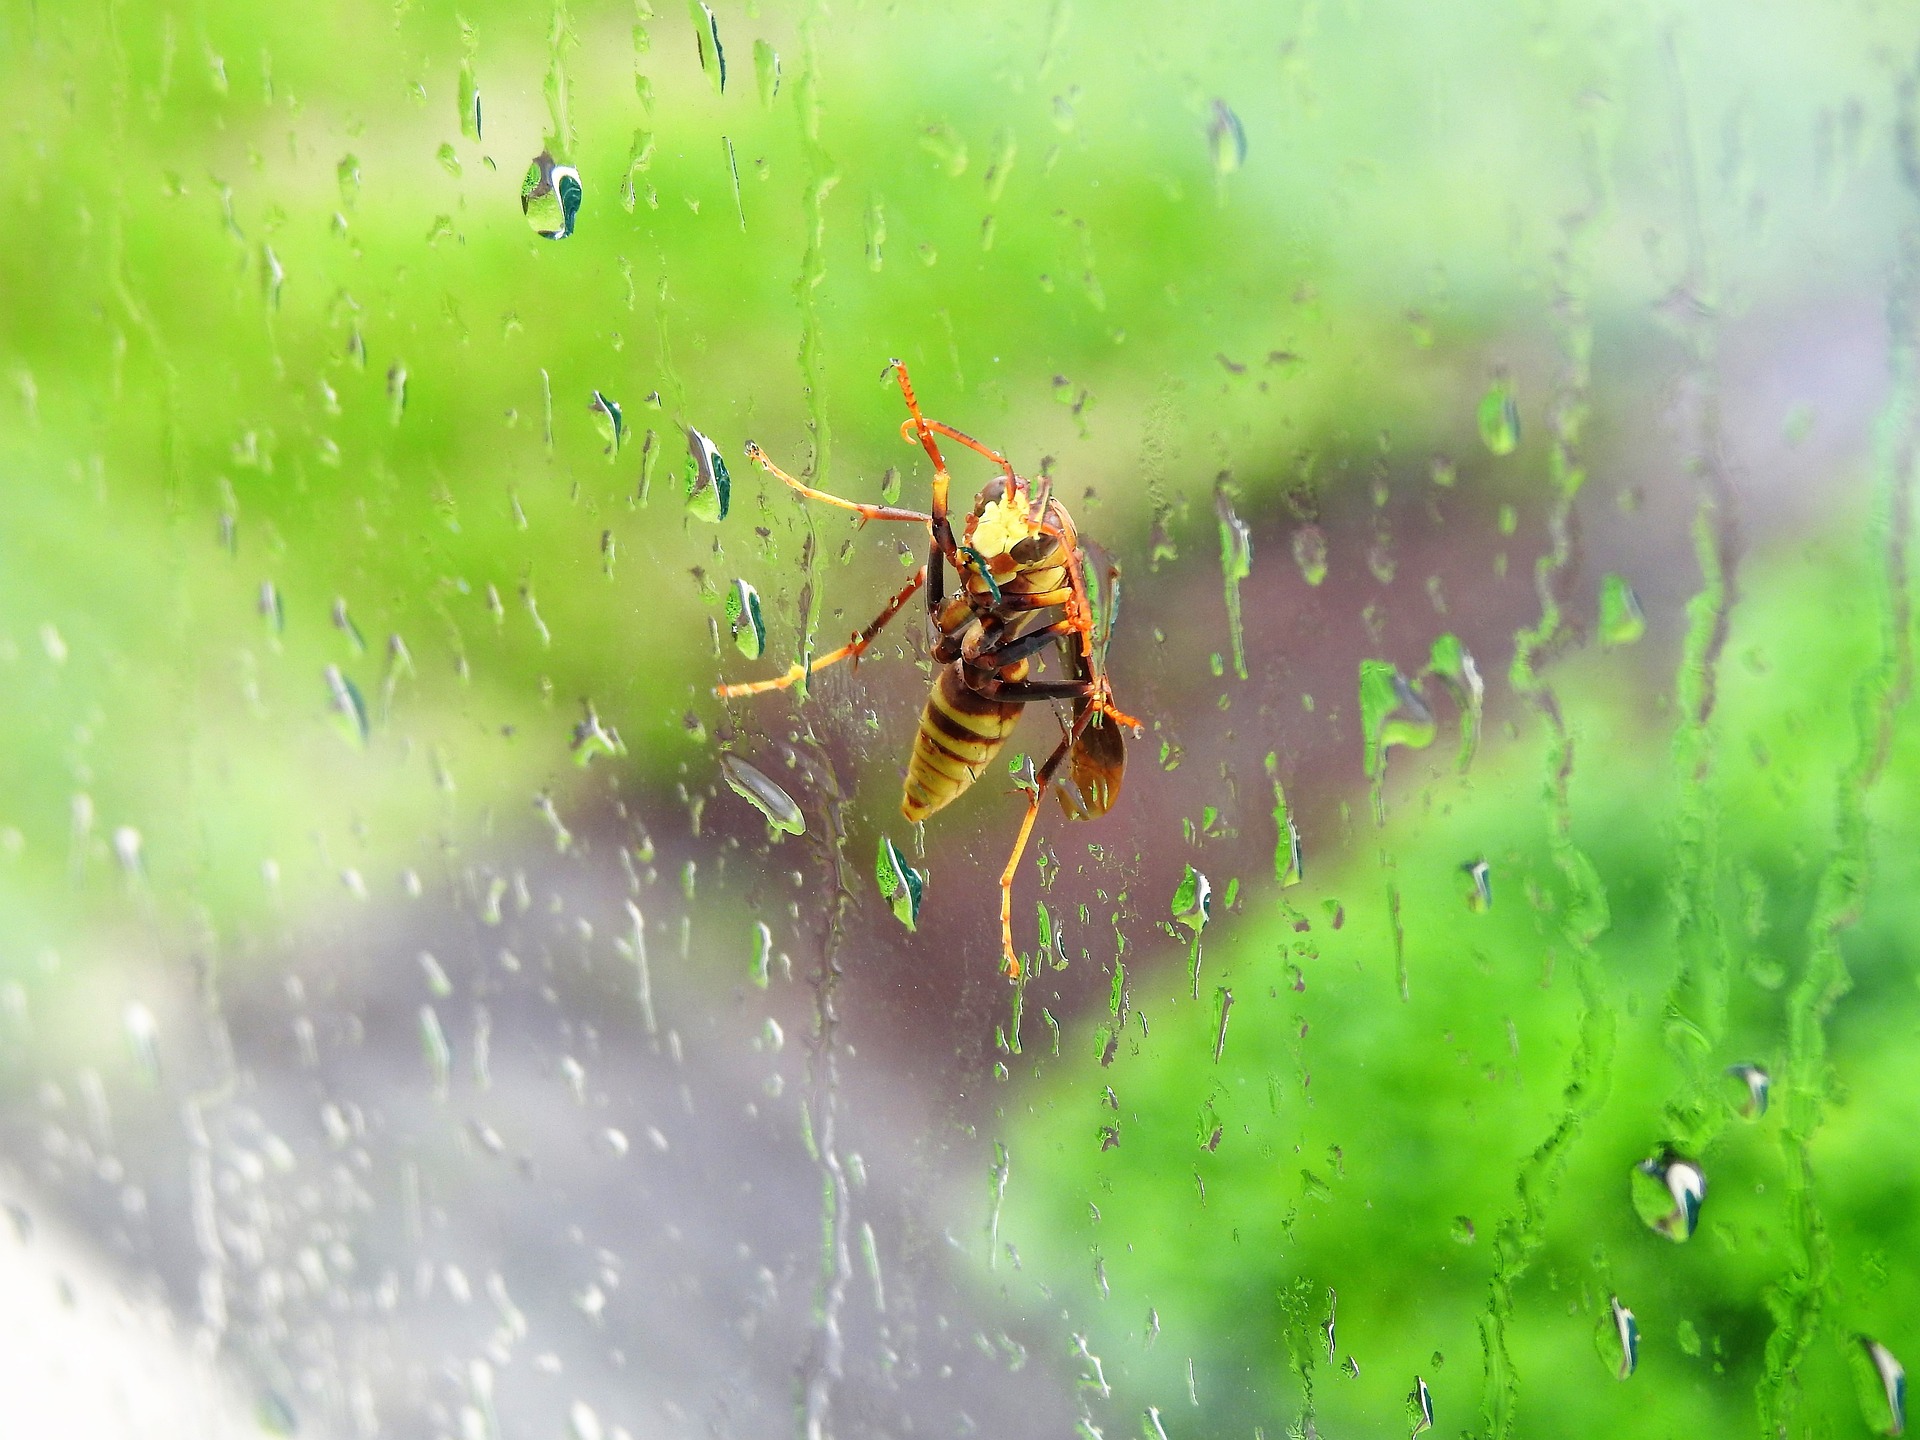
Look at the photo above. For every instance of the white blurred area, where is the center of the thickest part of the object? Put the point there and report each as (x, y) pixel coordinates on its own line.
(85, 1356)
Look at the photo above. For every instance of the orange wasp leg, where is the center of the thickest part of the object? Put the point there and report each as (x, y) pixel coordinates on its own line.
(909, 431)
(852, 650)
(865, 512)
(1009, 961)
(944, 550)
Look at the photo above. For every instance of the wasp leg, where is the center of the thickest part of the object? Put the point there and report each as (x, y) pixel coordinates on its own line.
(1086, 658)
(909, 430)
(852, 650)
(1010, 961)
(1005, 650)
(866, 512)
(1025, 692)
(944, 550)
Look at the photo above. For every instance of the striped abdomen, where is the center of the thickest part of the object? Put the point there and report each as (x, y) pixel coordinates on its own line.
(960, 733)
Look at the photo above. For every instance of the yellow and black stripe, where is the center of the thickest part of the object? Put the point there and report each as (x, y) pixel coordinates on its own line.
(960, 733)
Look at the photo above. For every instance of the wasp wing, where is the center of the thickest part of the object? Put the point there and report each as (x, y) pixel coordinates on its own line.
(1094, 769)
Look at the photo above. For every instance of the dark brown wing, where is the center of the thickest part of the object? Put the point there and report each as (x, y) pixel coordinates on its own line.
(1094, 769)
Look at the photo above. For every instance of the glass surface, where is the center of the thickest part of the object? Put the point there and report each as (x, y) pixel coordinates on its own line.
(1488, 1000)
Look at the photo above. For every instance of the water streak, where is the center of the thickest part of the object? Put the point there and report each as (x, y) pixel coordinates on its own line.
(1521, 1232)
(1799, 1301)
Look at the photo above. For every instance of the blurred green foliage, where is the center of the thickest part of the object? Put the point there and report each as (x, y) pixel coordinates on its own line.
(1347, 1142)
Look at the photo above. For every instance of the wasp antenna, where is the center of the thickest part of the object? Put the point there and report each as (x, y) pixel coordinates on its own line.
(1041, 495)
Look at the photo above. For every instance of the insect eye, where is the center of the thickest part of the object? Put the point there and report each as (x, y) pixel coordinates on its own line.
(1029, 549)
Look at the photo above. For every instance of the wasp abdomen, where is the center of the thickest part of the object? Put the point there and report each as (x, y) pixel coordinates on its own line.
(960, 733)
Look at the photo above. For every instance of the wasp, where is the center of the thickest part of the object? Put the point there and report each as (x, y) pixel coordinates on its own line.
(1021, 590)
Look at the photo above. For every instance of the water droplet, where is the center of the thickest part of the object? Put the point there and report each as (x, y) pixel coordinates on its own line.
(343, 622)
(143, 1039)
(748, 625)
(272, 609)
(348, 174)
(612, 423)
(1226, 139)
(1881, 1383)
(1193, 900)
(1461, 1230)
(706, 30)
(1006, 151)
(1289, 866)
(348, 706)
(449, 159)
(762, 954)
(438, 983)
(593, 738)
(1236, 564)
(469, 101)
(1617, 1338)
(1621, 620)
(582, 1423)
(766, 70)
(1667, 1193)
(1419, 1407)
(396, 392)
(639, 158)
(1500, 418)
(876, 224)
(1453, 666)
(1392, 712)
(709, 486)
(754, 786)
(126, 849)
(438, 1053)
(274, 1414)
(1222, 1009)
(901, 886)
(1192, 906)
(945, 145)
(1310, 553)
(1755, 1084)
(733, 171)
(1480, 898)
(550, 197)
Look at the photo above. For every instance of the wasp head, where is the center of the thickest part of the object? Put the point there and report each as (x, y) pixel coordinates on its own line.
(1004, 520)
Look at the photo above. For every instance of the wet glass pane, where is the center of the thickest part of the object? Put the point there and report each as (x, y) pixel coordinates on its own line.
(1012, 719)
